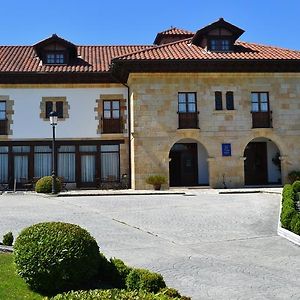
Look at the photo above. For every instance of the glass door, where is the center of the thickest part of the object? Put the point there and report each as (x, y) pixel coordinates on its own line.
(21, 165)
(88, 165)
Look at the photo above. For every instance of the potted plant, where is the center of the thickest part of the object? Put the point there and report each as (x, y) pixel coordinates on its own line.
(156, 181)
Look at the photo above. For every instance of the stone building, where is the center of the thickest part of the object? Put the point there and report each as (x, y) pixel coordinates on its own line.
(200, 108)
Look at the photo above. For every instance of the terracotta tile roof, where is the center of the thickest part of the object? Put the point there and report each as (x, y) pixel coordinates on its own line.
(91, 59)
(171, 35)
(175, 31)
(184, 50)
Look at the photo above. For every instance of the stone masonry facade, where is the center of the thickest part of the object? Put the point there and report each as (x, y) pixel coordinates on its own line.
(154, 99)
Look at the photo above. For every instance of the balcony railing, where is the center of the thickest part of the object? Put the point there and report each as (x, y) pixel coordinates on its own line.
(111, 126)
(188, 120)
(262, 119)
(3, 127)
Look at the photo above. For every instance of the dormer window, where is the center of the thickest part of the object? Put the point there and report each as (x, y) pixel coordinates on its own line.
(220, 44)
(56, 51)
(219, 36)
(55, 58)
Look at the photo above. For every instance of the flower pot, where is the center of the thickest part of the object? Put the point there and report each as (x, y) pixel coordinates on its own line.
(157, 187)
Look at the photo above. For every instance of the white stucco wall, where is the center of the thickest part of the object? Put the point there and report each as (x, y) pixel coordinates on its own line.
(81, 123)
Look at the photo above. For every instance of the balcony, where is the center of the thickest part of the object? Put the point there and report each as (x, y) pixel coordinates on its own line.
(3, 127)
(111, 126)
(262, 119)
(188, 120)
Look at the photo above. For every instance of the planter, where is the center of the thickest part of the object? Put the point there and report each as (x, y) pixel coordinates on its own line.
(157, 187)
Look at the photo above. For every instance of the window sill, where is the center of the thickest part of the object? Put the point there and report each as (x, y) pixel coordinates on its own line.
(224, 111)
(191, 128)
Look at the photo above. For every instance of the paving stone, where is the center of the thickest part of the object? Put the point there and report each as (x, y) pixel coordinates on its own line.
(209, 246)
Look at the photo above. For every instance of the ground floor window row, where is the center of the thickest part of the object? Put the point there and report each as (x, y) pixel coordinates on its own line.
(84, 164)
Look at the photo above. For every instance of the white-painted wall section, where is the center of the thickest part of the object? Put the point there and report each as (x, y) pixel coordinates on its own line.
(81, 123)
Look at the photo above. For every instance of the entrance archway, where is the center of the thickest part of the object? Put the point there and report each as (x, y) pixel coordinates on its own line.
(262, 165)
(188, 164)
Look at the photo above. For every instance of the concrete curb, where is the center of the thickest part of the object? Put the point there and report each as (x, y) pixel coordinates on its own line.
(291, 236)
(8, 249)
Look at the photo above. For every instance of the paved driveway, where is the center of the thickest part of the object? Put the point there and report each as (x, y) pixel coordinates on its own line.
(208, 246)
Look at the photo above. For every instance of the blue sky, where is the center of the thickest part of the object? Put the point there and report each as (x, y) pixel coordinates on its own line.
(96, 22)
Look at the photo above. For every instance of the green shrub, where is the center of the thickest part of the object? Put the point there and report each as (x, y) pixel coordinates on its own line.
(141, 279)
(288, 211)
(8, 239)
(156, 179)
(56, 256)
(295, 224)
(172, 293)
(293, 176)
(113, 294)
(44, 185)
(121, 272)
(296, 186)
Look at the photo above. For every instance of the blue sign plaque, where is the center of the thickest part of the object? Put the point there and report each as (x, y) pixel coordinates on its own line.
(226, 149)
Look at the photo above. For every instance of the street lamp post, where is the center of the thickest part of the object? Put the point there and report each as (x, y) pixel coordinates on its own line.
(53, 123)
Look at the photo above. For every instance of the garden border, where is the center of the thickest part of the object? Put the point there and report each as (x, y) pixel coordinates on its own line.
(292, 237)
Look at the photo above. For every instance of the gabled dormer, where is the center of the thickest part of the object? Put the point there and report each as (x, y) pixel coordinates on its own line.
(55, 51)
(219, 36)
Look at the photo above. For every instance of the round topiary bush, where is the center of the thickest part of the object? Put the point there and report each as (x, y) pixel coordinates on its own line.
(56, 256)
(44, 185)
(296, 186)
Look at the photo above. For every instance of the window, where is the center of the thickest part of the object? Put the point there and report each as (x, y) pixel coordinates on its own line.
(110, 163)
(259, 102)
(42, 161)
(3, 118)
(57, 106)
(111, 116)
(187, 110)
(4, 164)
(261, 114)
(220, 45)
(66, 163)
(229, 101)
(55, 58)
(186, 102)
(218, 101)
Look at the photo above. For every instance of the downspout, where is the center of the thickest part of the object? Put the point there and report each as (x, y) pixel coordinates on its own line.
(129, 127)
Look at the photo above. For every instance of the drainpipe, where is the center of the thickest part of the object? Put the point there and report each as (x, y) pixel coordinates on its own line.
(129, 127)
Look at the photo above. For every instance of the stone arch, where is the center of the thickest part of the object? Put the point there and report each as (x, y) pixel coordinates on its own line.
(188, 163)
(262, 164)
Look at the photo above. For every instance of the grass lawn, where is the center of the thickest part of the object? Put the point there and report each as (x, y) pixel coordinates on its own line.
(12, 286)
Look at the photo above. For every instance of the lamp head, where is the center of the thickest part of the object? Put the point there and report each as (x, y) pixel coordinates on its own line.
(53, 118)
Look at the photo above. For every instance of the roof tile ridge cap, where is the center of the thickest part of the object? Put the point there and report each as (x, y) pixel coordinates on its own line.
(154, 47)
(268, 46)
(176, 28)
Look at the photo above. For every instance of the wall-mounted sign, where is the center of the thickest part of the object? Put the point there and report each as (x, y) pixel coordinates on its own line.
(226, 149)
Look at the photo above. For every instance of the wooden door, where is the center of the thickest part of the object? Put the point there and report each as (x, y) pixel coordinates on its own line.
(256, 166)
(184, 165)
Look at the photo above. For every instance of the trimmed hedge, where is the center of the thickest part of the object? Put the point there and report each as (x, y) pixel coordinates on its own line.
(290, 217)
(55, 256)
(141, 279)
(296, 186)
(113, 294)
(44, 185)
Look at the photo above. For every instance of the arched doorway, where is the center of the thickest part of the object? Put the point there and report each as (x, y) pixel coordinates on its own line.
(188, 164)
(262, 165)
